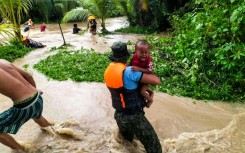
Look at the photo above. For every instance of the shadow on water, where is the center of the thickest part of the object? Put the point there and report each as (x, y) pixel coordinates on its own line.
(84, 116)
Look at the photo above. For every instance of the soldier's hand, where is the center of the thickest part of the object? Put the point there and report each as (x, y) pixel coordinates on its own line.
(135, 68)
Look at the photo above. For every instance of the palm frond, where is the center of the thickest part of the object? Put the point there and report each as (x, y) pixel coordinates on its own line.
(5, 30)
(25, 6)
(13, 11)
(91, 6)
(124, 5)
(59, 5)
(78, 14)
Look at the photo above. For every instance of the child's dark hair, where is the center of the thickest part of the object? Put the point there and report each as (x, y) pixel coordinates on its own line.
(74, 25)
(142, 42)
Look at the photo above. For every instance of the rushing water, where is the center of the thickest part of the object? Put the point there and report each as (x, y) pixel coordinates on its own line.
(84, 116)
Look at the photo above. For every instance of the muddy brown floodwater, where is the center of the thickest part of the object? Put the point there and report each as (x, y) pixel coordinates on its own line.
(84, 116)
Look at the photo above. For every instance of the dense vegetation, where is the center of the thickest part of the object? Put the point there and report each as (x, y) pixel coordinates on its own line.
(82, 65)
(204, 58)
(13, 51)
(143, 13)
(152, 14)
(136, 30)
(12, 11)
(43, 11)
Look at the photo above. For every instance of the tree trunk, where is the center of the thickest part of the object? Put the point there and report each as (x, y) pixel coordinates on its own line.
(103, 25)
(140, 16)
(17, 33)
(59, 23)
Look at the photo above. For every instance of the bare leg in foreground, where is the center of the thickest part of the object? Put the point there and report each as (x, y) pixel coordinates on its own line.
(9, 141)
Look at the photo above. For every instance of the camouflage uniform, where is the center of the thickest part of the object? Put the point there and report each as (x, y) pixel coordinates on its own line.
(138, 125)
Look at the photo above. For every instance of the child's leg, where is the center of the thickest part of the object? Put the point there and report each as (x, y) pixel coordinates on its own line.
(151, 93)
(145, 92)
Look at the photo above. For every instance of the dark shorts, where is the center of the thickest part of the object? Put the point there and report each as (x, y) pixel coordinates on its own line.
(92, 29)
(27, 28)
(12, 119)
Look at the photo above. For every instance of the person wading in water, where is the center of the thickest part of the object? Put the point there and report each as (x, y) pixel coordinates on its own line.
(129, 104)
(92, 24)
(20, 87)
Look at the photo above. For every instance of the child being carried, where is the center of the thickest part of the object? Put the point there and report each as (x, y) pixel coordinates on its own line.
(142, 62)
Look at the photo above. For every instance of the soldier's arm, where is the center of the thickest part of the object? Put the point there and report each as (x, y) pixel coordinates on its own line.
(150, 79)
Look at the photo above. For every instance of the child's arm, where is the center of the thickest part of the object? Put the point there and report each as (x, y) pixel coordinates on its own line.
(149, 64)
(136, 68)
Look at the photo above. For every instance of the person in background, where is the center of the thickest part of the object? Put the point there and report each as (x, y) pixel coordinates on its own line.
(30, 25)
(28, 42)
(92, 24)
(43, 27)
(20, 87)
(75, 29)
(127, 101)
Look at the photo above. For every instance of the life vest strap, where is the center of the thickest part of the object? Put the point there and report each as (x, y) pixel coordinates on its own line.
(122, 100)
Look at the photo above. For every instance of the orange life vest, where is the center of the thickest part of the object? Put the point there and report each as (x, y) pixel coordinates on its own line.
(122, 98)
(114, 75)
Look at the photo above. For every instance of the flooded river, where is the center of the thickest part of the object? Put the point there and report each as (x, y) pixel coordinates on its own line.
(84, 116)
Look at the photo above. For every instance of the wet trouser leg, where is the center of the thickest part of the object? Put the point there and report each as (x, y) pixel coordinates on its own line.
(123, 125)
(138, 125)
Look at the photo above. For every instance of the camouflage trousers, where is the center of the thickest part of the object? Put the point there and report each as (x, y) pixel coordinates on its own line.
(138, 125)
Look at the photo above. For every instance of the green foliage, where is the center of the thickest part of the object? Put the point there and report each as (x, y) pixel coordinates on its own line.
(115, 11)
(81, 65)
(78, 14)
(43, 10)
(150, 13)
(205, 58)
(13, 51)
(13, 11)
(5, 30)
(99, 8)
(136, 30)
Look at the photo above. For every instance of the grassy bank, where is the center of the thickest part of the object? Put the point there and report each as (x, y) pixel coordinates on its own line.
(136, 30)
(13, 51)
(86, 65)
(82, 65)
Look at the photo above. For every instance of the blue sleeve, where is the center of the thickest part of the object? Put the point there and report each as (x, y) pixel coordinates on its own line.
(136, 76)
(131, 78)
